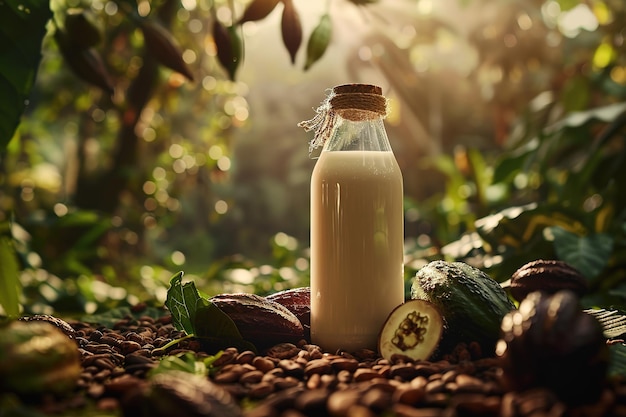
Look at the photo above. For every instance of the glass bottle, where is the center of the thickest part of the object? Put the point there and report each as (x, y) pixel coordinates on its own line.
(357, 221)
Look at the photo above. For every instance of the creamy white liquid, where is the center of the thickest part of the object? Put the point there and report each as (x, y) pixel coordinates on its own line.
(357, 236)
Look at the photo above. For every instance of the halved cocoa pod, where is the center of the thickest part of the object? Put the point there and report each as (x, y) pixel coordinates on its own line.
(260, 321)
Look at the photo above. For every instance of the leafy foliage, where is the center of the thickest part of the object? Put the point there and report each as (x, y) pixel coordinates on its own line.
(22, 28)
(10, 289)
(546, 180)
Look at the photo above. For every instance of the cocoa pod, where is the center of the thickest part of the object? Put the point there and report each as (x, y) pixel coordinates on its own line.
(548, 276)
(296, 300)
(229, 47)
(176, 393)
(87, 63)
(260, 321)
(257, 10)
(36, 358)
(162, 46)
(291, 29)
(550, 342)
(82, 29)
(55, 321)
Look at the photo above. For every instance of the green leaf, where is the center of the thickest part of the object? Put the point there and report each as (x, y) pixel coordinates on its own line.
(185, 362)
(216, 330)
(196, 315)
(22, 29)
(567, 4)
(510, 164)
(589, 254)
(183, 301)
(318, 41)
(9, 279)
(579, 118)
(617, 364)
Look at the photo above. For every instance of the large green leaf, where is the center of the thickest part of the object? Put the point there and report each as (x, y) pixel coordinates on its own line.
(578, 118)
(589, 254)
(617, 365)
(22, 28)
(9, 280)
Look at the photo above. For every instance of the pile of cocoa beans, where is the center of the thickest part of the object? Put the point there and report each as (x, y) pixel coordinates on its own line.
(298, 379)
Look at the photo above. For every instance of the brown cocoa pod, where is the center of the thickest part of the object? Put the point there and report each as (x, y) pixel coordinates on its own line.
(82, 28)
(162, 46)
(177, 393)
(551, 342)
(260, 321)
(291, 29)
(87, 63)
(257, 10)
(229, 47)
(296, 300)
(548, 276)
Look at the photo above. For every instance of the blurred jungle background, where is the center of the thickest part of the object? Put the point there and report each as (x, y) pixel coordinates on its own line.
(143, 137)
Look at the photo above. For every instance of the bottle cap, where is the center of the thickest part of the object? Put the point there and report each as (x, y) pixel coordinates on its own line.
(366, 97)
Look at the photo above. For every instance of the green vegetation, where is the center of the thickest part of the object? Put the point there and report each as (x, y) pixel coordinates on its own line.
(123, 171)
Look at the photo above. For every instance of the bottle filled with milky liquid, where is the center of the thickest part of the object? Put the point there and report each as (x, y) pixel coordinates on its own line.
(357, 230)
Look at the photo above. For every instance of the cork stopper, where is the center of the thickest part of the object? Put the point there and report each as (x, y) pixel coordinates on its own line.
(356, 102)
(366, 99)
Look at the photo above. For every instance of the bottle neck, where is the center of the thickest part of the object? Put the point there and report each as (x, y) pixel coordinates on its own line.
(350, 119)
(366, 134)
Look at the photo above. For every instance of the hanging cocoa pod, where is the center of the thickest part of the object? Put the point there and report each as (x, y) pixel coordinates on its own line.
(87, 64)
(81, 28)
(291, 29)
(228, 44)
(318, 41)
(161, 45)
(257, 10)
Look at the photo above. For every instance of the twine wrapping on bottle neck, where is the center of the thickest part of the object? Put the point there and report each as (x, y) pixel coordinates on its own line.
(357, 102)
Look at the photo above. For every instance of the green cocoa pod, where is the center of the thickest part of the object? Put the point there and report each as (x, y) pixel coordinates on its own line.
(36, 357)
(471, 302)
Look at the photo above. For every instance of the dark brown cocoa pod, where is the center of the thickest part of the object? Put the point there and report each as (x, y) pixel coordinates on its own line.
(296, 300)
(229, 47)
(260, 321)
(551, 342)
(81, 28)
(549, 276)
(86, 63)
(291, 29)
(162, 46)
(176, 393)
(257, 10)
